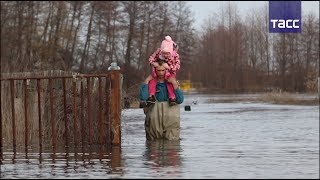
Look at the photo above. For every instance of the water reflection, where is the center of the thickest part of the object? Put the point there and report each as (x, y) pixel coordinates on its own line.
(116, 163)
(95, 159)
(162, 153)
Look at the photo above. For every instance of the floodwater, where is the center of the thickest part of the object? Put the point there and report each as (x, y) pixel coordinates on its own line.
(218, 140)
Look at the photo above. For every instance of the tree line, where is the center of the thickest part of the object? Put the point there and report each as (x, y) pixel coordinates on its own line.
(86, 36)
(232, 53)
(239, 54)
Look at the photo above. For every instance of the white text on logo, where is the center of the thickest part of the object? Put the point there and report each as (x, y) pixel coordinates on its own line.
(290, 23)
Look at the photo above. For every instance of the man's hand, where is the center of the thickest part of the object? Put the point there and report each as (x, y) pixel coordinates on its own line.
(148, 79)
(174, 82)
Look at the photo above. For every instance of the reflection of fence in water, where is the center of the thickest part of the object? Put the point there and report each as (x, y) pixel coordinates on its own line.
(62, 108)
(109, 157)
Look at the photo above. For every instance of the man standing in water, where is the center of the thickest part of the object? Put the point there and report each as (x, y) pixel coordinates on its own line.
(162, 121)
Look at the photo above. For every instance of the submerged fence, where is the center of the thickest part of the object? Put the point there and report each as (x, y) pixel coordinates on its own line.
(62, 109)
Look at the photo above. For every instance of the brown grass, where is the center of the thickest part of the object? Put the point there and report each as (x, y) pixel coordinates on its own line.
(288, 98)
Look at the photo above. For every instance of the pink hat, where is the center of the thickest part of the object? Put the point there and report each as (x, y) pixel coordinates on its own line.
(167, 45)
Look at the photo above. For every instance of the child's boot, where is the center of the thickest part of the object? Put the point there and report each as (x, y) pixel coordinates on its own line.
(172, 101)
(151, 100)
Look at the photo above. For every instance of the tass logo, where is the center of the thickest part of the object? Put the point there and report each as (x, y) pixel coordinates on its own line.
(285, 16)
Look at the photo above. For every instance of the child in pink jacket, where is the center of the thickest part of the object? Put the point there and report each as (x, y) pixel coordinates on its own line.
(169, 55)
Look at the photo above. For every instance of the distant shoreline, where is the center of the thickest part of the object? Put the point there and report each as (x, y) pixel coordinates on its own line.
(284, 98)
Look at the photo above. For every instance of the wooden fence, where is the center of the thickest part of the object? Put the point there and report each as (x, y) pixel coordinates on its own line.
(63, 109)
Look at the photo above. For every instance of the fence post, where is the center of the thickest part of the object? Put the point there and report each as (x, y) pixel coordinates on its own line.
(116, 89)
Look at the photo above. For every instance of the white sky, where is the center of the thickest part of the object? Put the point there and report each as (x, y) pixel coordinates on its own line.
(202, 9)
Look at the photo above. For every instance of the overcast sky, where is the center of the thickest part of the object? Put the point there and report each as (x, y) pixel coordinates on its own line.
(202, 9)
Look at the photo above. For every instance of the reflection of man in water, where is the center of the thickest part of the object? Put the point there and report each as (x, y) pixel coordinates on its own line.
(162, 120)
(164, 153)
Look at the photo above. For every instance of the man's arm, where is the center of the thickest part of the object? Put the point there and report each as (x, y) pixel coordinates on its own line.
(179, 95)
(177, 90)
(144, 89)
(144, 92)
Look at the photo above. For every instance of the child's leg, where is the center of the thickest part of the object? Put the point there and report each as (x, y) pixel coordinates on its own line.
(171, 78)
(171, 91)
(152, 87)
(152, 83)
(152, 92)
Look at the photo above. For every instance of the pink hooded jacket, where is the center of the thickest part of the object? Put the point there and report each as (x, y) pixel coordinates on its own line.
(173, 62)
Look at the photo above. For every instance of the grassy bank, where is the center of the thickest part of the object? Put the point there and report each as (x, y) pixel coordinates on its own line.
(288, 98)
(273, 98)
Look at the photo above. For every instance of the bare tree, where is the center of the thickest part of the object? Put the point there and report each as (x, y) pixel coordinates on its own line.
(87, 42)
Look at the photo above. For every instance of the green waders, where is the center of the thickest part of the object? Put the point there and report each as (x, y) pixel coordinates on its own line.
(162, 121)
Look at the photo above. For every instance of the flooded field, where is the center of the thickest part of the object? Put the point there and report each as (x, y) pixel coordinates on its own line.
(242, 139)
